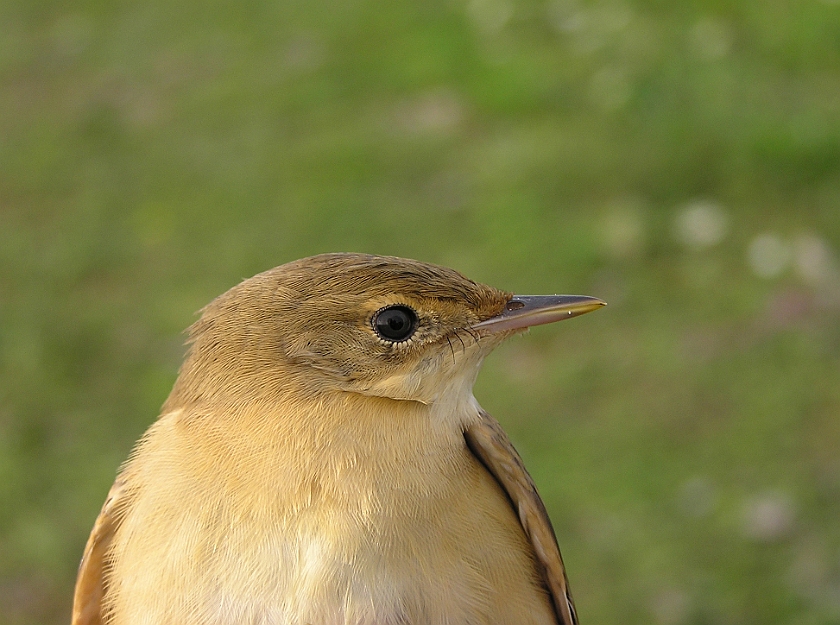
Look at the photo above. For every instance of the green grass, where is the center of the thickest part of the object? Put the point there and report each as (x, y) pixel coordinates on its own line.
(686, 439)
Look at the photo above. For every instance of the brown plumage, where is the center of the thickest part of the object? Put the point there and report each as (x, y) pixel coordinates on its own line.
(321, 460)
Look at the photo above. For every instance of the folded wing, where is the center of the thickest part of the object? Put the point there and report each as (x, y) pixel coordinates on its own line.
(90, 583)
(491, 446)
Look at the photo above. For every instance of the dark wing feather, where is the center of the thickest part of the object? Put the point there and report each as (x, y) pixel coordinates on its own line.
(90, 583)
(491, 446)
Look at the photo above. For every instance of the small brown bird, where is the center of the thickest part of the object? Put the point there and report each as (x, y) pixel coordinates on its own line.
(321, 460)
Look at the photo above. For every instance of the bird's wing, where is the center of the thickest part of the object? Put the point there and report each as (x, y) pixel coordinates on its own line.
(491, 446)
(90, 583)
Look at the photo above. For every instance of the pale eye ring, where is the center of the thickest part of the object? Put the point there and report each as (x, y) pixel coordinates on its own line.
(395, 323)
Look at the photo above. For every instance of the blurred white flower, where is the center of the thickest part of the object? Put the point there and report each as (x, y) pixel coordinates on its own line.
(670, 606)
(566, 15)
(590, 27)
(490, 16)
(710, 38)
(701, 224)
(814, 260)
(438, 111)
(768, 255)
(768, 517)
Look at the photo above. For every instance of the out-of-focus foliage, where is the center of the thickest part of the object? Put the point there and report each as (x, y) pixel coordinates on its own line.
(680, 160)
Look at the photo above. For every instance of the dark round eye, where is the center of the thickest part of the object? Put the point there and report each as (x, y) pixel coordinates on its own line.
(395, 323)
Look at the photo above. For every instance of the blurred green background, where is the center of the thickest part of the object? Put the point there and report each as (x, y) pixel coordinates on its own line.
(679, 159)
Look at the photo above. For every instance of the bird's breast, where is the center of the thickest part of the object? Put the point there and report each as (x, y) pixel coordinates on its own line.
(400, 525)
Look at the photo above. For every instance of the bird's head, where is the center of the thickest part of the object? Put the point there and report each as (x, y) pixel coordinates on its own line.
(373, 325)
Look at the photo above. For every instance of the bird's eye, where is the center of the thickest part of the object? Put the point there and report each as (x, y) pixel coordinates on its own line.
(395, 323)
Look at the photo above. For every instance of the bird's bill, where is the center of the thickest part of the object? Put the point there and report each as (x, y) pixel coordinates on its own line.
(524, 311)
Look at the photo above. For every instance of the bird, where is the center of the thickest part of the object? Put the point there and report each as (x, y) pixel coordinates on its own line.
(322, 460)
